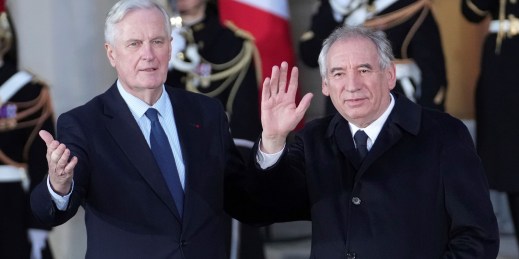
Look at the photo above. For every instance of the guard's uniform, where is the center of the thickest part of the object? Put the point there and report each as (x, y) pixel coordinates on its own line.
(226, 71)
(414, 35)
(497, 93)
(22, 161)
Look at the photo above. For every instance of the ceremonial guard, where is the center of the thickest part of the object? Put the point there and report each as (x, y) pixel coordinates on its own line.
(220, 61)
(25, 108)
(497, 93)
(412, 30)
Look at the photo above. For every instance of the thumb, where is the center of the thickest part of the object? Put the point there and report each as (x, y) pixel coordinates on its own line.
(46, 136)
(304, 104)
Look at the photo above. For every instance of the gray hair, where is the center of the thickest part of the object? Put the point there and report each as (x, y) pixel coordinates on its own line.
(123, 7)
(385, 52)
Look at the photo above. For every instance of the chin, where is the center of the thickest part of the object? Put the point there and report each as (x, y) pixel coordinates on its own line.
(152, 84)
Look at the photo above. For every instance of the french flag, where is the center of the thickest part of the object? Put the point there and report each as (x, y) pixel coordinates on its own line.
(268, 22)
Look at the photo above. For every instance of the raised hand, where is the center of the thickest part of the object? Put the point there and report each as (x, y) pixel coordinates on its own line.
(279, 112)
(61, 167)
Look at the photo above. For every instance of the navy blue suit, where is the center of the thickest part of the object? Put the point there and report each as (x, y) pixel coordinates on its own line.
(129, 210)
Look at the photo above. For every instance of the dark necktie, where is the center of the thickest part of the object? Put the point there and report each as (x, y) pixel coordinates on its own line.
(164, 156)
(361, 141)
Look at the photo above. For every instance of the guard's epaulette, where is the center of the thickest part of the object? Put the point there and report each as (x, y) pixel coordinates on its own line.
(389, 20)
(392, 19)
(36, 79)
(241, 33)
(26, 109)
(249, 38)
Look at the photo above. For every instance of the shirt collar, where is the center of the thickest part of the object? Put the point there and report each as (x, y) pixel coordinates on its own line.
(374, 128)
(138, 107)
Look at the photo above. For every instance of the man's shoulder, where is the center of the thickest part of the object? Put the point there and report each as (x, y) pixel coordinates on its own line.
(447, 127)
(90, 107)
(440, 118)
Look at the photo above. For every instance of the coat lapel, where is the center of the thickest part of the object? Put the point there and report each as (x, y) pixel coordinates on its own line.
(344, 140)
(190, 133)
(122, 126)
(405, 117)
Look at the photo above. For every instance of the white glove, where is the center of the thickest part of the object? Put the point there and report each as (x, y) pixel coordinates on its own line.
(177, 45)
(38, 238)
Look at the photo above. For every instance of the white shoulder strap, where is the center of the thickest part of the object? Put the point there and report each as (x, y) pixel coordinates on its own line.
(13, 85)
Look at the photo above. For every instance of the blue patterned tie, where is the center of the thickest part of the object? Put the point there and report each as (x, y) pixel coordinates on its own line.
(361, 141)
(164, 156)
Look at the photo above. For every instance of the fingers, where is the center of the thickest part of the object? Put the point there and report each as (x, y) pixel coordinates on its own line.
(283, 72)
(61, 160)
(292, 86)
(62, 173)
(277, 83)
(70, 166)
(61, 165)
(58, 155)
(50, 142)
(265, 91)
(274, 81)
(65, 166)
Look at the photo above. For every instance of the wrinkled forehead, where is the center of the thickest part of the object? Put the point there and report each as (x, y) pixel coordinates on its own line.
(352, 52)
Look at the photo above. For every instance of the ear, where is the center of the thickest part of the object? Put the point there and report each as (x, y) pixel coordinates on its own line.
(110, 54)
(391, 76)
(170, 47)
(324, 87)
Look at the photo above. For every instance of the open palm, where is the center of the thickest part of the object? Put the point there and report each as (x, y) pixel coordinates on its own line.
(279, 112)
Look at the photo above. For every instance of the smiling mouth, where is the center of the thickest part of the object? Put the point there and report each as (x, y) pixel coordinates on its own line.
(148, 69)
(355, 99)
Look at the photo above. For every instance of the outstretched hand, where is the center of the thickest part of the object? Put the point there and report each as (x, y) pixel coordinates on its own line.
(61, 167)
(279, 112)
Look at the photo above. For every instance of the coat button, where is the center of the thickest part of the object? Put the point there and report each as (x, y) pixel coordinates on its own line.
(356, 200)
(183, 243)
(351, 255)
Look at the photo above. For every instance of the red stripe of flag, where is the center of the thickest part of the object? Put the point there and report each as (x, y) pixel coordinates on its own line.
(271, 32)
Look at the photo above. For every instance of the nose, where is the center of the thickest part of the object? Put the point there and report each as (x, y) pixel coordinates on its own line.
(351, 82)
(147, 52)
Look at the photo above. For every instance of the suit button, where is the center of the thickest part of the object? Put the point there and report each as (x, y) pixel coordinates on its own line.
(183, 243)
(351, 255)
(356, 200)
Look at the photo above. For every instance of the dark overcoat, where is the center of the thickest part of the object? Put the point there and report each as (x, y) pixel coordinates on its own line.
(421, 191)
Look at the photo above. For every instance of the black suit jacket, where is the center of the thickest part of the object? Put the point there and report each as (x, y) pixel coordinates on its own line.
(129, 210)
(420, 193)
